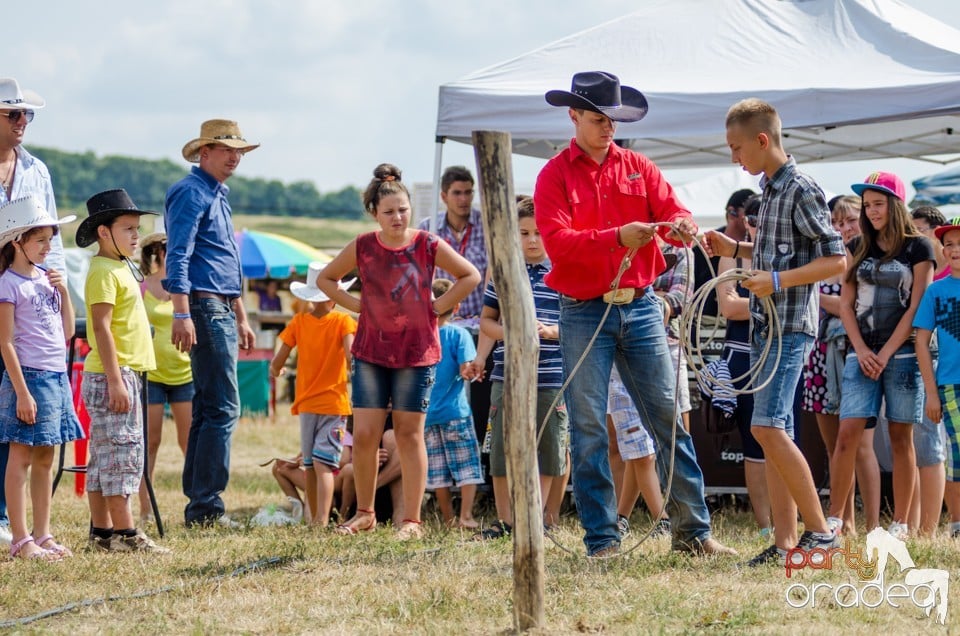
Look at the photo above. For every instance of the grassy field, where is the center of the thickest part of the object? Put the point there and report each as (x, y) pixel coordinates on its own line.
(330, 234)
(318, 582)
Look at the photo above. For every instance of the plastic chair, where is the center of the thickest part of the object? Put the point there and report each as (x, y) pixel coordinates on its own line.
(80, 332)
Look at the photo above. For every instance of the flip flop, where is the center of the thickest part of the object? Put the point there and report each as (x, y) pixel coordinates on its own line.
(346, 529)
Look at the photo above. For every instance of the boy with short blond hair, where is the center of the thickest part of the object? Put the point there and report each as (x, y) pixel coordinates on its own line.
(120, 350)
(796, 247)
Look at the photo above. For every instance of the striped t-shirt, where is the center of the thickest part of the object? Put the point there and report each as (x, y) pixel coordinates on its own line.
(547, 304)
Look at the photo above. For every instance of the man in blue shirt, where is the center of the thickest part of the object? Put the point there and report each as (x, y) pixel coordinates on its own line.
(21, 175)
(203, 278)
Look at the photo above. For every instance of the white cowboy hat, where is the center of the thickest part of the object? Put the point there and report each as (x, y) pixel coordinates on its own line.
(20, 215)
(13, 98)
(309, 291)
(217, 131)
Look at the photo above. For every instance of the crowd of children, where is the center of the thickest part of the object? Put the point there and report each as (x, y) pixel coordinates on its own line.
(887, 343)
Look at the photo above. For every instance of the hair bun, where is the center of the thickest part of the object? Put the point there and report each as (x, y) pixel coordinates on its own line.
(386, 172)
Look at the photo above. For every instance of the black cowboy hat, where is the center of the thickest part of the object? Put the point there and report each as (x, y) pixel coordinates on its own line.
(103, 208)
(601, 93)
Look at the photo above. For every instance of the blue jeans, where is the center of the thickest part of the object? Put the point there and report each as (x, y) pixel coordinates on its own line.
(633, 337)
(774, 405)
(216, 409)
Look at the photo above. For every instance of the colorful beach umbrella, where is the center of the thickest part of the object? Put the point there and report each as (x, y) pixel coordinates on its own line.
(267, 255)
(942, 188)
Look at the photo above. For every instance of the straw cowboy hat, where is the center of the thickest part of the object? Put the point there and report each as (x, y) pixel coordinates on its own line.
(102, 208)
(13, 98)
(217, 131)
(20, 215)
(601, 93)
(309, 291)
(150, 239)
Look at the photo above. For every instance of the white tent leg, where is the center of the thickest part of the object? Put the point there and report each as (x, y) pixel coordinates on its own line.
(435, 193)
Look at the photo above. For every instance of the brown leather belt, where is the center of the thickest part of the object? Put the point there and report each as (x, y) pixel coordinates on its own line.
(226, 300)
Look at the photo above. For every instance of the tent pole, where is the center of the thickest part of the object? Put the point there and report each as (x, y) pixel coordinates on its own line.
(435, 191)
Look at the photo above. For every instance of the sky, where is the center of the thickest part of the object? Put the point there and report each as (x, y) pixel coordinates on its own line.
(329, 88)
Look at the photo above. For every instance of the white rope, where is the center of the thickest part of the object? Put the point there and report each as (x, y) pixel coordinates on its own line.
(691, 314)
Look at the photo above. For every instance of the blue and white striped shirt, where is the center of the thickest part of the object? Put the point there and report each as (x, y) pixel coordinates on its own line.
(547, 304)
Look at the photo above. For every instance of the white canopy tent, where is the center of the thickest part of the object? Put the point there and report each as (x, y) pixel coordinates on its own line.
(852, 80)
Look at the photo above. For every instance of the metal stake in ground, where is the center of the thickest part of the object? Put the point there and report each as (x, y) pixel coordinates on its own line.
(522, 348)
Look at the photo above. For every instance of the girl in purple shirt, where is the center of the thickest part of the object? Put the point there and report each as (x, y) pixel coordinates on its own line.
(36, 409)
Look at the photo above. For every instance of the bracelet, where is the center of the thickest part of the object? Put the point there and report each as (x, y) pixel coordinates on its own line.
(179, 316)
(776, 281)
(736, 251)
(619, 240)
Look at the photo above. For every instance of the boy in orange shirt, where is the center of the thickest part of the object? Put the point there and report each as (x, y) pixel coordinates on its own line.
(324, 338)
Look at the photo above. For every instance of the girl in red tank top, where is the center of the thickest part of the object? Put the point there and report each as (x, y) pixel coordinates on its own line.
(397, 344)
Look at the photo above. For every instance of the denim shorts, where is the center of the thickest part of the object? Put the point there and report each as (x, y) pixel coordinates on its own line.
(56, 422)
(928, 443)
(160, 393)
(377, 387)
(321, 439)
(899, 383)
(773, 405)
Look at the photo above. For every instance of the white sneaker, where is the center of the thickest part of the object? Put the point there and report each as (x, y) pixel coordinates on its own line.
(6, 537)
(835, 524)
(225, 521)
(296, 509)
(899, 530)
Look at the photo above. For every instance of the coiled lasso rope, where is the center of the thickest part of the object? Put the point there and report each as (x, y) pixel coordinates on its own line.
(691, 314)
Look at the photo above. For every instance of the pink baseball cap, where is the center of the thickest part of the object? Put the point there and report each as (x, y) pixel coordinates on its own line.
(954, 224)
(886, 182)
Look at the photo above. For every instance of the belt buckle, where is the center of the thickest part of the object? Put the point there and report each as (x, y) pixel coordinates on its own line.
(620, 296)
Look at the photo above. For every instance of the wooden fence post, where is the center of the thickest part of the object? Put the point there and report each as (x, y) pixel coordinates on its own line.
(522, 346)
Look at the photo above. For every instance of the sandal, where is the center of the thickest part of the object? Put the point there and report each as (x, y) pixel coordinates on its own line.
(410, 529)
(351, 528)
(48, 543)
(497, 530)
(17, 547)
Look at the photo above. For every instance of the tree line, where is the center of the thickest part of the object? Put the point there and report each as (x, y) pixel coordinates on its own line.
(77, 176)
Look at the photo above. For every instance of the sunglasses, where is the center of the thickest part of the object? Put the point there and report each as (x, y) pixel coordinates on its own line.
(752, 220)
(14, 115)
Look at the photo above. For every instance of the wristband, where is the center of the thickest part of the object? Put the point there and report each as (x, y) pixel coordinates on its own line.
(179, 316)
(736, 251)
(776, 281)
(619, 240)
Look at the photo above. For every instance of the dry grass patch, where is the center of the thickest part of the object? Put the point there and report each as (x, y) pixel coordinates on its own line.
(313, 581)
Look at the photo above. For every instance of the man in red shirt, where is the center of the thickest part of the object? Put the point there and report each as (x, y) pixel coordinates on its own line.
(594, 203)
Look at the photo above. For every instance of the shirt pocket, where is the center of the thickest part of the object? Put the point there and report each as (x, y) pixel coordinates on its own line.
(633, 201)
(583, 207)
(783, 255)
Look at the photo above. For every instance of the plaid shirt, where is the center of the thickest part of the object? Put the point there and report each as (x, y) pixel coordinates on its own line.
(677, 288)
(474, 249)
(793, 229)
